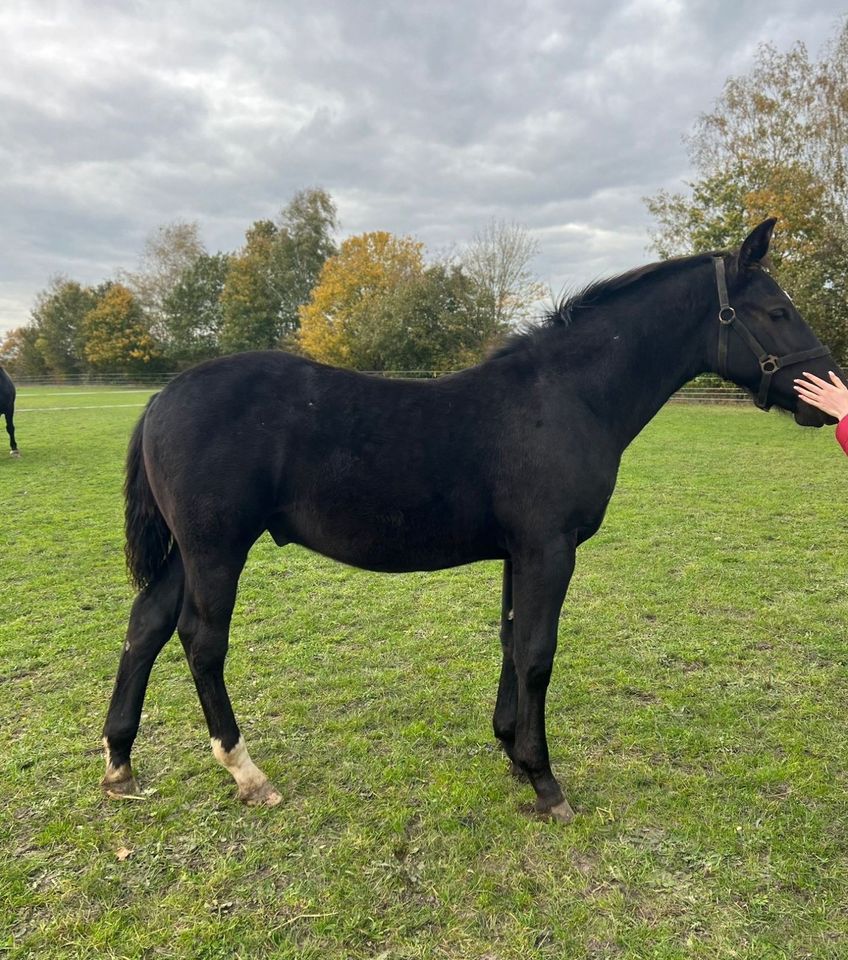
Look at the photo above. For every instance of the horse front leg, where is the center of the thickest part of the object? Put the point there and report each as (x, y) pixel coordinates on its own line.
(541, 575)
(10, 429)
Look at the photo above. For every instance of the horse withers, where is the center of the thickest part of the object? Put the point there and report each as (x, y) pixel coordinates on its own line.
(7, 408)
(513, 459)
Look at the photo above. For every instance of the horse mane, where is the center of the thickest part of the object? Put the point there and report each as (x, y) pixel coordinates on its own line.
(566, 310)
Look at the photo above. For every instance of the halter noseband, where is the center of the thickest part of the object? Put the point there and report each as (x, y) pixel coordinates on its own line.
(769, 363)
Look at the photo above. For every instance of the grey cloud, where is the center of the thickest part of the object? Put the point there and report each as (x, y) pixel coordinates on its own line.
(424, 119)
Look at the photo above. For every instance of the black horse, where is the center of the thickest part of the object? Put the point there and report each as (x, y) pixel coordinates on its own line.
(514, 459)
(7, 407)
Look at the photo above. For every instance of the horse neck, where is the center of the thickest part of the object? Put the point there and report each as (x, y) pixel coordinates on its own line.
(649, 341)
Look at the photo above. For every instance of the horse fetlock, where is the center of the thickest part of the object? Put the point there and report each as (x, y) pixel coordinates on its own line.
(560, 812)
(549, 796)
(254, 788)
(118, 782)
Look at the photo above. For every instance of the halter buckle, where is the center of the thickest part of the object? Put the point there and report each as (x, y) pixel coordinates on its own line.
(770, 364)
(726, 315)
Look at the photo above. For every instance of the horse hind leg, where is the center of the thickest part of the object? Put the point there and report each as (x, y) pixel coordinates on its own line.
(152, 623)
(204, 625)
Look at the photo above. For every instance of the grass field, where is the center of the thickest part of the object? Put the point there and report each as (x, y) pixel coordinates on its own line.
(697, 718)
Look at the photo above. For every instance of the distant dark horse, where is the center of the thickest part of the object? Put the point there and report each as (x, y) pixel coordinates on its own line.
(514, 459)
(7, 407)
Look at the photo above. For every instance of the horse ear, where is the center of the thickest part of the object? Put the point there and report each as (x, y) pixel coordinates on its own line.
(756, 244)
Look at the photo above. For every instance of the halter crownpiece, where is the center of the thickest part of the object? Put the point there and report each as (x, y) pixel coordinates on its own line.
(769, 363)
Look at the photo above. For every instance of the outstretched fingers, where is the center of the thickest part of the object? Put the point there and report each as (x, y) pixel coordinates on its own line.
(831, 397)
(807, 391)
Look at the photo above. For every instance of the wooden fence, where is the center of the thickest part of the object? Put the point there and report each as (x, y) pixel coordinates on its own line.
(704, 389)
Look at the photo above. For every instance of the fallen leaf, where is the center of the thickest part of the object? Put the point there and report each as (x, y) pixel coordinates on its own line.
(123, 853)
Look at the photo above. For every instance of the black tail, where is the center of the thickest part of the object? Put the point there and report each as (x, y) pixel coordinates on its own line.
(149, 540)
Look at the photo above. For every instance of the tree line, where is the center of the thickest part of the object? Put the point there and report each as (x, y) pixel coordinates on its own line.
(374, 302)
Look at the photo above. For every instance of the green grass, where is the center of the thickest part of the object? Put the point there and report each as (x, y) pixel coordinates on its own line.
(697, 718)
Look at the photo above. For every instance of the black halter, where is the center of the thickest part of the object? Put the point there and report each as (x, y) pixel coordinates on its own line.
(769, 363)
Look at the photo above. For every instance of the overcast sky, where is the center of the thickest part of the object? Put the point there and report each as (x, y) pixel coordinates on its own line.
(419, 118)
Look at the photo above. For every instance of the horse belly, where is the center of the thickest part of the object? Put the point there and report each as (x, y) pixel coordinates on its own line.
(393, 540)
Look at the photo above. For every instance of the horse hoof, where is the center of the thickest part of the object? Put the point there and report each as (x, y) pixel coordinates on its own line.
(123, 790)
(265, 795)
(560, 812)
(15, 453)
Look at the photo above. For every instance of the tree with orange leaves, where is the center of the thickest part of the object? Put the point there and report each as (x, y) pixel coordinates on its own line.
(117, 336)
(351, 291)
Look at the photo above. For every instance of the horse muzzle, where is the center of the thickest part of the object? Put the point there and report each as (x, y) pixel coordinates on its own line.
(807, 416)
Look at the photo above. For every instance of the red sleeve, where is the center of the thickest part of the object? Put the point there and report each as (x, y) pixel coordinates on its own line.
(842, 433)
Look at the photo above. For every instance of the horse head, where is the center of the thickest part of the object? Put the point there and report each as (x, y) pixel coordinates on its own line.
(763, 341)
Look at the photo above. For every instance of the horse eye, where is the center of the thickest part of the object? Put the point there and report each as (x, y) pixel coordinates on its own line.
(781, 313)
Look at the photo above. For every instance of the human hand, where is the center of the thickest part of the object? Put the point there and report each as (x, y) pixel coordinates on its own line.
(832, 398)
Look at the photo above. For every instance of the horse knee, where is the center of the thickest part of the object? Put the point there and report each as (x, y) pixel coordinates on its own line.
(537, 676)
(534, 668)
(504, 726)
